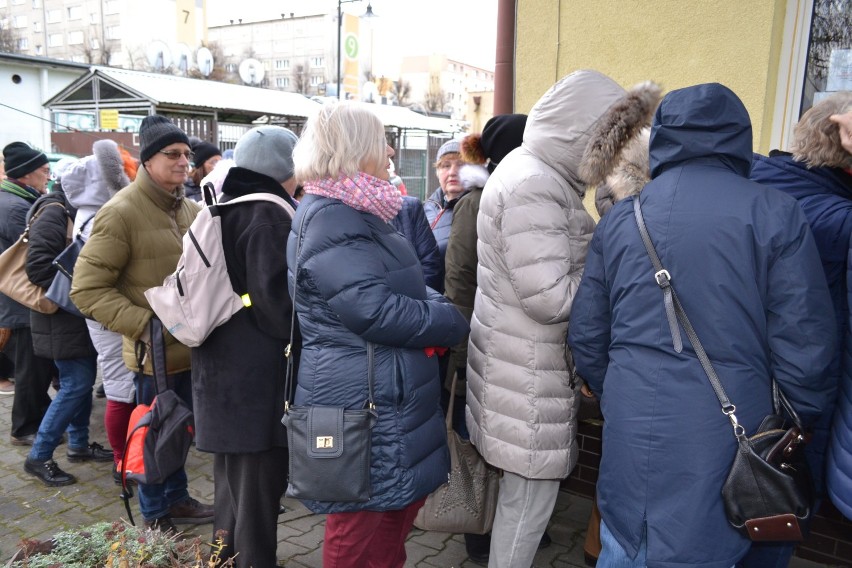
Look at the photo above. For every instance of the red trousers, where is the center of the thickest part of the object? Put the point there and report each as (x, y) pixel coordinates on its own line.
(368, 539)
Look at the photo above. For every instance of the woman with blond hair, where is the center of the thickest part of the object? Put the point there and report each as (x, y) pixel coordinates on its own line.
(817, 174)
(358, 285)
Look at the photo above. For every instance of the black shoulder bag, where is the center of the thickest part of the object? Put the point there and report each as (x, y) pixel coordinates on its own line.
(329, 447)
(767, 494)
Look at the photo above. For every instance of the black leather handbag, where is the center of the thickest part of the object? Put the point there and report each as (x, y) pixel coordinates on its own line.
(329, 447)
(768, 491)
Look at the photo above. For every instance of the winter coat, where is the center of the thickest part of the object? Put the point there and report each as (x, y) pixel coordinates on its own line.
(825, 196)
(533, 234)
(88, 183)
(746, 269)
(135, 243)
(238, 372)
(412, 223)
(359, 281)
(461, 259)
(13, 214)
(60, 335)
(838, 474)
(439, 213)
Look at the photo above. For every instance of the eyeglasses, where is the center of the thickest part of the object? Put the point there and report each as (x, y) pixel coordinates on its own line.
(176, 154)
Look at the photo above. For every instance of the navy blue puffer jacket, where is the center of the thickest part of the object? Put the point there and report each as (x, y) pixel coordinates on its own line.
(825, 196)
(360, 281)
(412, 223)
(745, 266)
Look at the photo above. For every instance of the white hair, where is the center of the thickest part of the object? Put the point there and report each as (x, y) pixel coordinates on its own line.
(337, 140)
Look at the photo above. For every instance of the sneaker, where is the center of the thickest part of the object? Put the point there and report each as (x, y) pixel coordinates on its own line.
(49, 473)
(7, 387)
(163, 524)
(191, 512)
(92, 452)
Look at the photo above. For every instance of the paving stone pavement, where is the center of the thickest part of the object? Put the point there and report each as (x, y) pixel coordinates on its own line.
(28, 509)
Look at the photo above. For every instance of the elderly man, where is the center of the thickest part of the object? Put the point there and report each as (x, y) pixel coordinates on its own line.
(135, 243)
(27, 174)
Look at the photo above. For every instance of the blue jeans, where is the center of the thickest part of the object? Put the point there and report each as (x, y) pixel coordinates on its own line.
(155, 500)
(613, 556)
(69, 410)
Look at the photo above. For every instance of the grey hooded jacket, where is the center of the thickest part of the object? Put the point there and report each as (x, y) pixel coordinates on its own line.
(533, 236)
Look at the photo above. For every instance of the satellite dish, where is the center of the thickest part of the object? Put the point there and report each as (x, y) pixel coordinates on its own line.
(158, 55)
(251, 71)
(370, 92)
(204, 57)
(183, 58)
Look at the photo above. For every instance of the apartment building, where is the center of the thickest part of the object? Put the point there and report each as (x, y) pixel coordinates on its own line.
(444, 85)
(121, 33)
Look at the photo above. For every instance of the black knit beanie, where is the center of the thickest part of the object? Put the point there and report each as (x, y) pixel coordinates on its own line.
(156, 133)
(502, 134)
(204, 151)
(20, 159)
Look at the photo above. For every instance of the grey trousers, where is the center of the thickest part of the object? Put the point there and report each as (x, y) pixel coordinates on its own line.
(524, 507)
(248, 490)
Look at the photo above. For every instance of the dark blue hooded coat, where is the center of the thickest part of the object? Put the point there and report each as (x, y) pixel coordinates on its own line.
(412, 223)
(747, 271)
(360, 281)
(825, 196)
(839, 470)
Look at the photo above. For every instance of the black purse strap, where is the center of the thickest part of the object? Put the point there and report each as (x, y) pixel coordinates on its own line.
(675, 309)
(288, 351)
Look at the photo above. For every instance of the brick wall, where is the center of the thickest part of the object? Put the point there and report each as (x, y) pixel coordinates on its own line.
(830, 541)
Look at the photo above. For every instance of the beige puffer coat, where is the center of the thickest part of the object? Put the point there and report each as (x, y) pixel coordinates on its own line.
(533, 236)
(135, 243)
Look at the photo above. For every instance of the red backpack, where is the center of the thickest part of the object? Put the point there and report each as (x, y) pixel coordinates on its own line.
(159, 434)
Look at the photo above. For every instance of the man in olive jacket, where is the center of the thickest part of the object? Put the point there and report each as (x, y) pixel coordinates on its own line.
(135, 243)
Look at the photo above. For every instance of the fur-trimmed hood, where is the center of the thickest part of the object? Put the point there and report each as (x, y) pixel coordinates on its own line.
(92, 181)
(473, 176)
(616, 158)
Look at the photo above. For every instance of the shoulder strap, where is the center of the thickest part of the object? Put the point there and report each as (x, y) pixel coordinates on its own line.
(673, 306)
(272, 198)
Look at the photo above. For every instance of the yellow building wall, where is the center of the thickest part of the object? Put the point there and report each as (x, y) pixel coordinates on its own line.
(676, 43)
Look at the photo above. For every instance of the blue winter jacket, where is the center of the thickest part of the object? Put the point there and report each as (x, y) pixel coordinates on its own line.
(825, 196)
(746, 268)
(359, 281)
(838, 475)
(412, 223)
(439, 212)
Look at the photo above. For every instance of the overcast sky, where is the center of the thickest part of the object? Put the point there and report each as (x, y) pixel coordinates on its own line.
(465, 30)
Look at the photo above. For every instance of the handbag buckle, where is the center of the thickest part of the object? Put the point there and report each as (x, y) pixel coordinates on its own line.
(728, 411)
(663, 278)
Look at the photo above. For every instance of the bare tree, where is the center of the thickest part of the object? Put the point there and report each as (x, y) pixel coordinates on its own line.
(831, 29)
(436, 99)
(9, 39)
(401, 90)
(96, 50)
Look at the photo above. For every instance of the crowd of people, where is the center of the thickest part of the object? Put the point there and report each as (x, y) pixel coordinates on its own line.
(501, 280)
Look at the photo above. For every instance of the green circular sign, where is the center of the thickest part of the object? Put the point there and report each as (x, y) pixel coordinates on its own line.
(350, 46)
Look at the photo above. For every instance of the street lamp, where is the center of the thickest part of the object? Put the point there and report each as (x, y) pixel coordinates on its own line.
(368, 14)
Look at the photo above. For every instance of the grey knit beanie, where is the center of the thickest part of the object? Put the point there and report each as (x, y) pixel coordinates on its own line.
(267, 150)
(448, 147)
(157, 132)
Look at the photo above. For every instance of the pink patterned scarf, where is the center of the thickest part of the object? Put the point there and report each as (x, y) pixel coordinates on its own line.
(363, 192)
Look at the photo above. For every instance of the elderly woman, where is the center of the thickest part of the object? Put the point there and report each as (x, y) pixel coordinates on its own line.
(439, 206)
(358, 282)
(816, 173)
